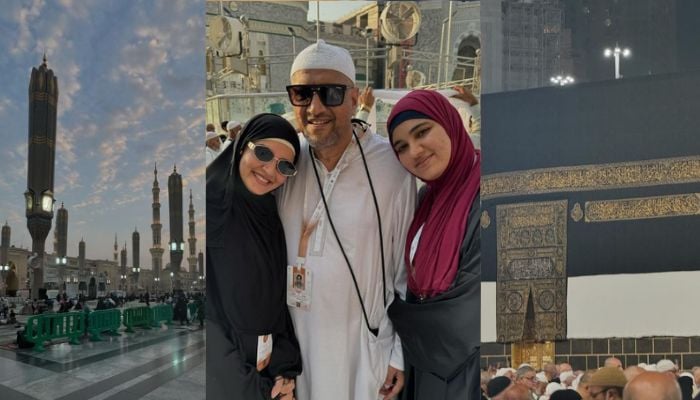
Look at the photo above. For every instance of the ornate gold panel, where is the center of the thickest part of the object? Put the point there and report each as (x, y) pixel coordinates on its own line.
(643, 208)
(531, 270)
(535, 354)
(664, 171)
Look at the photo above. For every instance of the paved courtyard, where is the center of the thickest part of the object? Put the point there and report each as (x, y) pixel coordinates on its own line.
(148, 364)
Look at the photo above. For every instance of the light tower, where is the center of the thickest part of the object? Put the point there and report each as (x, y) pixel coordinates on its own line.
(177, 244)
(617, 52)
(39, 197)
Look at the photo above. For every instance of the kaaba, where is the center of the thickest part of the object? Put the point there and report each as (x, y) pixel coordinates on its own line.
(589, 184)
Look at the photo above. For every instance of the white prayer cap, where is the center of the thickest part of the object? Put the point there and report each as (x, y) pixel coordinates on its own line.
(688, 374)
(649, 367)
(565, 375)
(541, 377)
(321, 55)
(211, 135)
(504, 371)
(552, 387)
(665, 366)
(232, 125)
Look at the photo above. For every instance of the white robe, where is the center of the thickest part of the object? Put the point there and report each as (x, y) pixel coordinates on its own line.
(341, 358)
(211, 154)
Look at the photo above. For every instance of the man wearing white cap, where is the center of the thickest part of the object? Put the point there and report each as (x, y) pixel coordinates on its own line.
(213, 144)
(233, 128)
(352, 259)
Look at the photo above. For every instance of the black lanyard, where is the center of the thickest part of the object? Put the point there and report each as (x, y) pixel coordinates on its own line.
(374, 331)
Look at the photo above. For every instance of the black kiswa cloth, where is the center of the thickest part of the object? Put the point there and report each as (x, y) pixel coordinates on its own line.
(246, 274)
(441, 336)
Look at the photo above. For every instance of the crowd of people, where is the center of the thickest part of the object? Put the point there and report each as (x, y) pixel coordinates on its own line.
(328, 274)
(660, 381)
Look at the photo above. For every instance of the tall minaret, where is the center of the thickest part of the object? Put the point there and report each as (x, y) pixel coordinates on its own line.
(82, 274)
(116, 249)
(5, 245)
(123, 267)
(136, 263)
(55, 240)
(156, 250)
(177, 243)
(200, 274)
(192, 241)
(62, 232)
(135, 238)
(43, 101)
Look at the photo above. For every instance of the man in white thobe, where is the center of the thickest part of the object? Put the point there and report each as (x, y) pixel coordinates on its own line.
(213, 146)
(342, 358)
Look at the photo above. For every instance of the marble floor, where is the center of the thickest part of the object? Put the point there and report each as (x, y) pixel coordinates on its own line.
(156, 364)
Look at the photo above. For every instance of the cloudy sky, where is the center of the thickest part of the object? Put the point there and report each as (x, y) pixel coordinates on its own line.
(131, 82)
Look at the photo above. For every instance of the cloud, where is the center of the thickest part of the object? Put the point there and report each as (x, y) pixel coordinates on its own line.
(25, 18)
(67, 181)
(69, 86)
(64, 145)
(111, 152)
(6, 105)
(91, 201)
(80, 11)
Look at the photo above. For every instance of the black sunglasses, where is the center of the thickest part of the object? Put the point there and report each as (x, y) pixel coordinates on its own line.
(264, 154)
(330, 95)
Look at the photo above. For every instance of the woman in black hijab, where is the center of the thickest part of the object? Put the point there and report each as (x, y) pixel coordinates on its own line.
(252, 352)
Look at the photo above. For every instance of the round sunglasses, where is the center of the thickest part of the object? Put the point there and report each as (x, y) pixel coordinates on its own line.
(264, 154)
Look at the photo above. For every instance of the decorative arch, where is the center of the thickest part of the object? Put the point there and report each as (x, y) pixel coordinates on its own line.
(466, 45)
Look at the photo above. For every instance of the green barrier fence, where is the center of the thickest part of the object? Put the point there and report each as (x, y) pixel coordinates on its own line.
(192, 307)
(44, 327)
(103, 321)
(137, 317)
(162, 313)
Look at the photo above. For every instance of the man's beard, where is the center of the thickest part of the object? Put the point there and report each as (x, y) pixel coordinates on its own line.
(323, 142)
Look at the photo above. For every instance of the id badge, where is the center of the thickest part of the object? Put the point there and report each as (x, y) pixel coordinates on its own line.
(298, 287)
(264, 351)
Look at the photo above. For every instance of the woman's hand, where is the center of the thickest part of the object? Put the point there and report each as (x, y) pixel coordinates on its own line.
(283, 389)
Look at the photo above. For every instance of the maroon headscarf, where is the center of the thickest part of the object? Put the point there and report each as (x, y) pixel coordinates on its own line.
(445, 207)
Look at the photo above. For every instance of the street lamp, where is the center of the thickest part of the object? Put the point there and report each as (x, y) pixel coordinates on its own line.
(562, 80)
(172, 274)
(617, 52)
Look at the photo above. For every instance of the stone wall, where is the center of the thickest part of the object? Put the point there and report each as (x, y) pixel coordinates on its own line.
(591, 353)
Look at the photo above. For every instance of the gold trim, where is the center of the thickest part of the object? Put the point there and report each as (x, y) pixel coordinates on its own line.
(663, 171)
(44, 96)
(643, 208)
(42, 140)
(576, 212)
(485, 220)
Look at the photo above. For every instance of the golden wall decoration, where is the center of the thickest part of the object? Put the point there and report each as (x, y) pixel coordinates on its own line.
(643, 208)
(576, 212)
(531, 271)
(533, 353)
(665, 171)
(485, 219)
